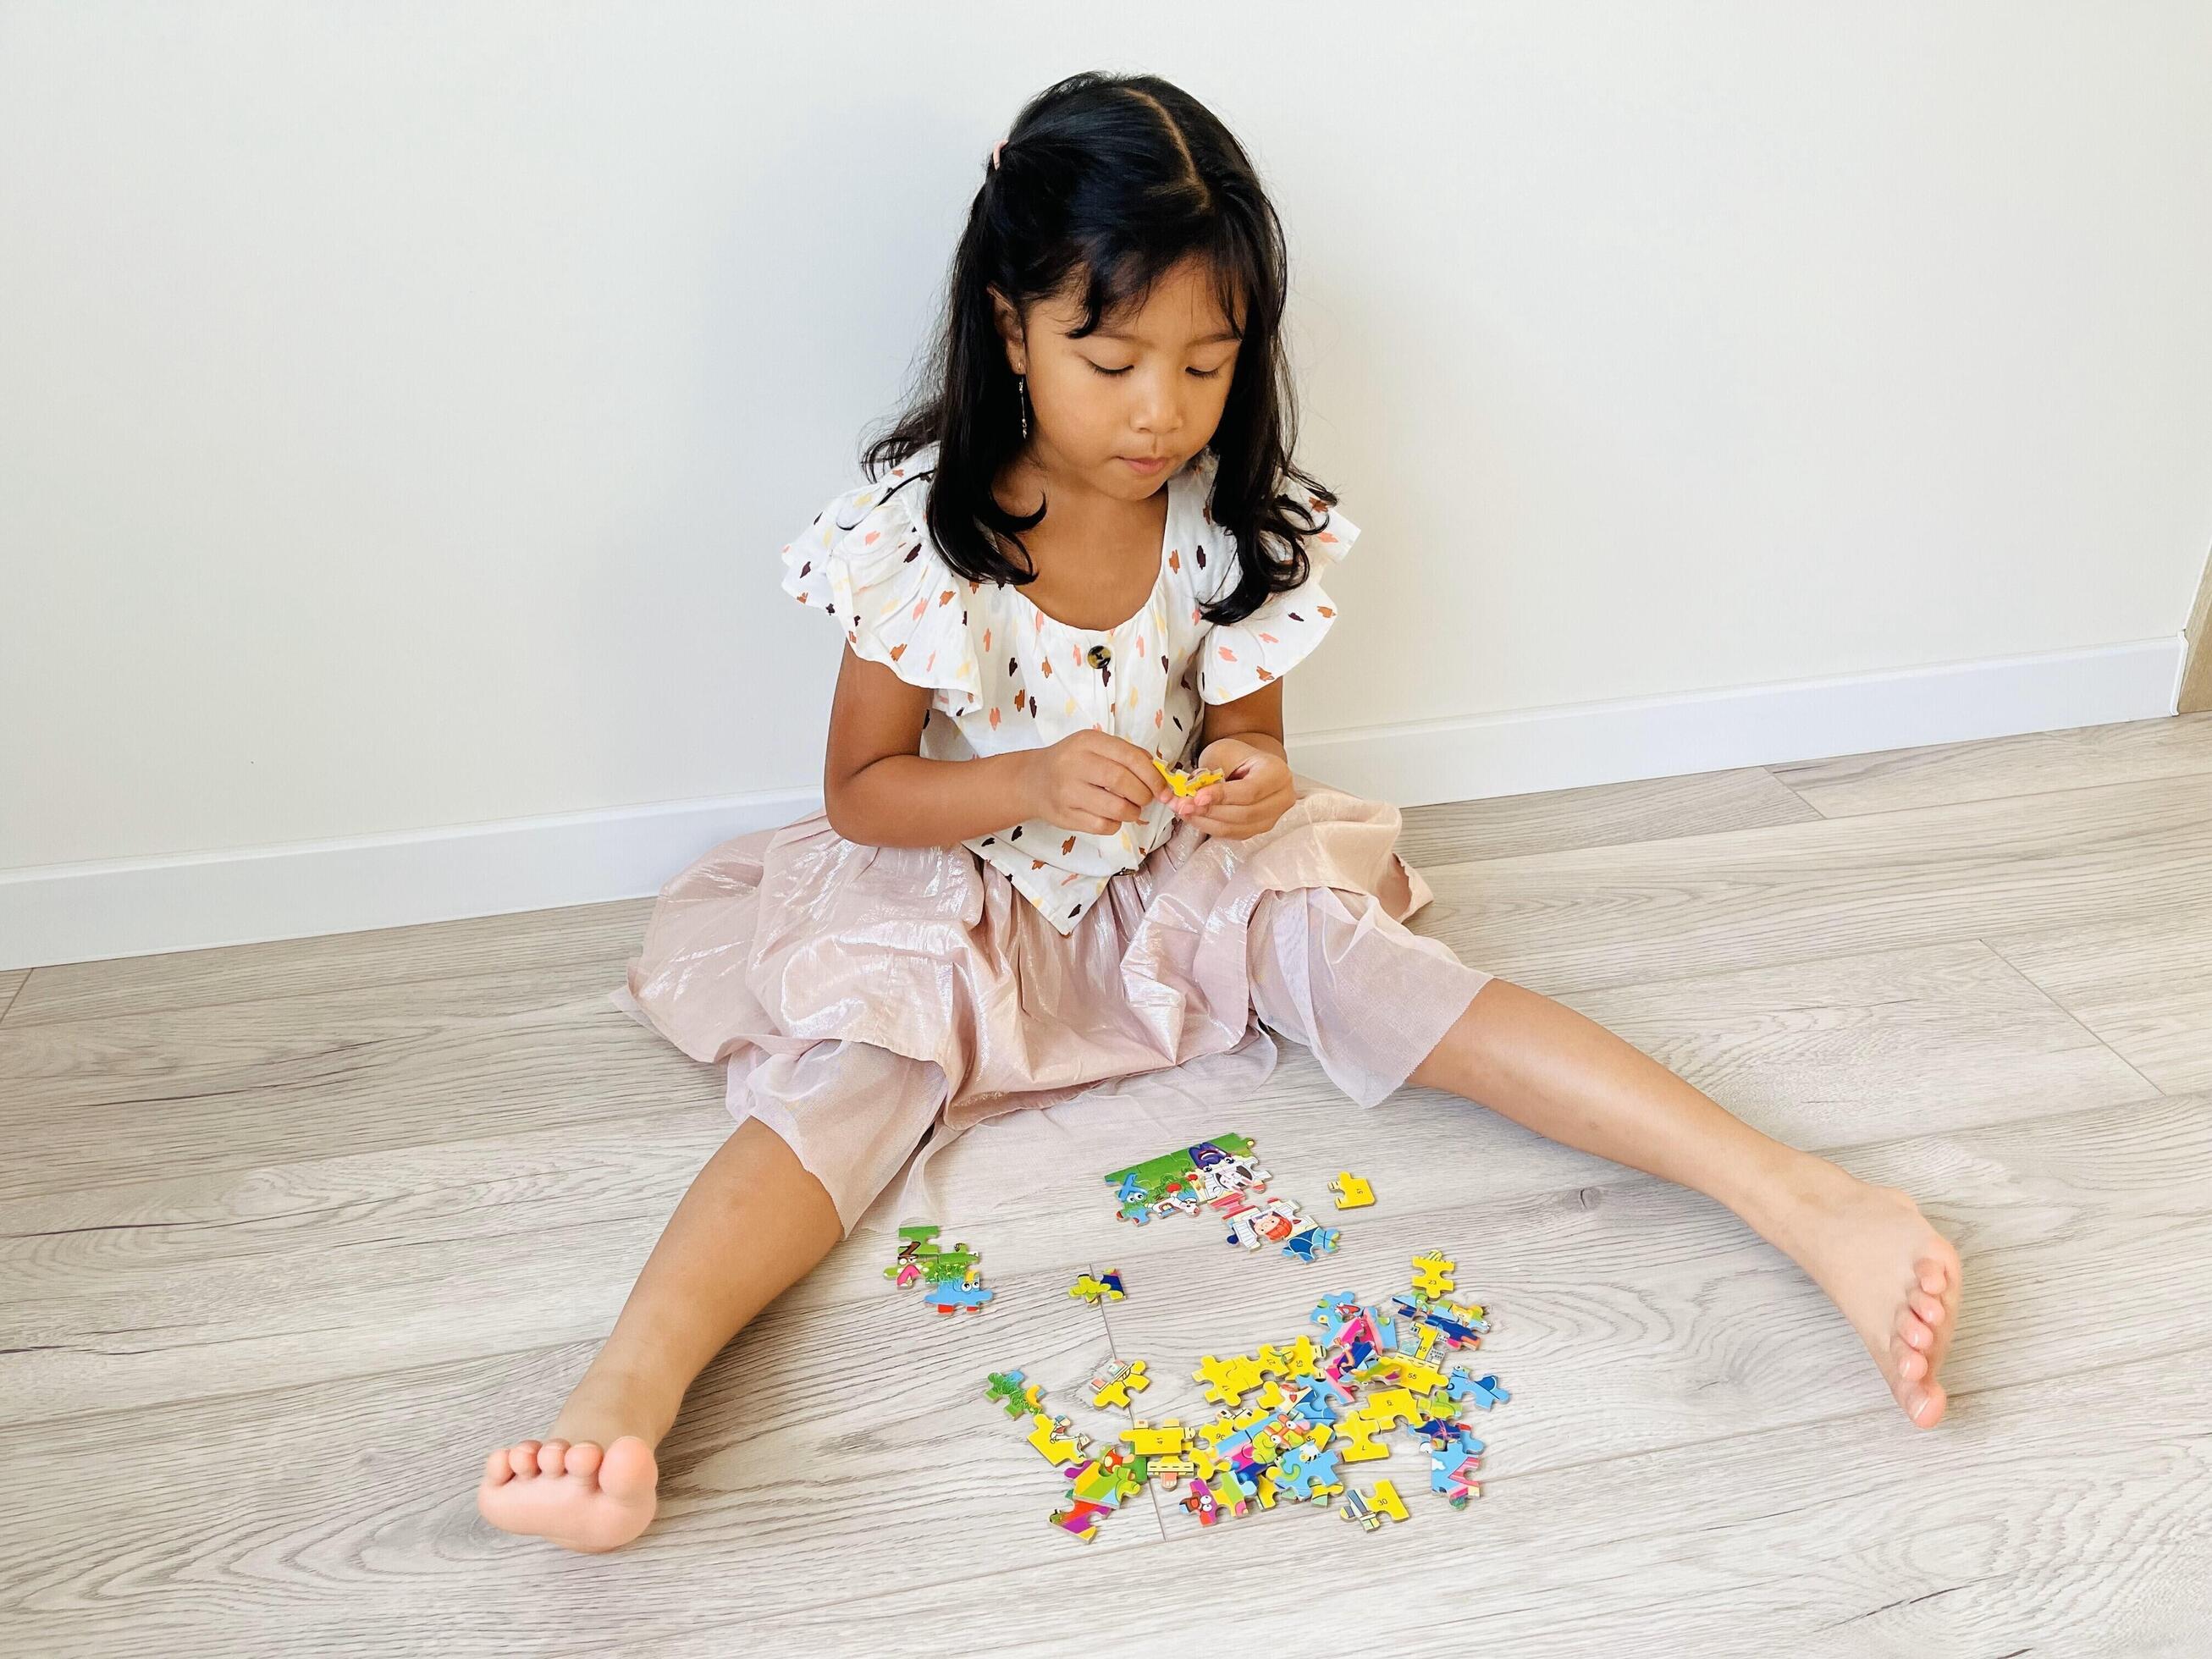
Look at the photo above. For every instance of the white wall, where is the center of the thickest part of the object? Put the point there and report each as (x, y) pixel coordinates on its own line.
(401, 407)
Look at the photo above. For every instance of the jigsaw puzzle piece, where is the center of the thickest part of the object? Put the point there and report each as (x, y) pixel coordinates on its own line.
(1432, 1274)
(1228, 1381)
(1484, 1391)
(1118, 1381)
(1351, 1193)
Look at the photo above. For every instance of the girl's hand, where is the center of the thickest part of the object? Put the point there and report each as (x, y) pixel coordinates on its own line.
(1090, 780)
(1257, 791)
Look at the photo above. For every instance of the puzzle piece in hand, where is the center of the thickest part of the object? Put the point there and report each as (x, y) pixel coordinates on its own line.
(1105, 1287)
(1116, 1383)
(1351, 1193)
(1432, 1274)
(1011, 1390)
(1227, 1380)
(1484, 1391)
(1185, 784)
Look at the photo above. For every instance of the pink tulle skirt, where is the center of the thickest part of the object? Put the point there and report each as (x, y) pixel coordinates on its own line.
(862, 997)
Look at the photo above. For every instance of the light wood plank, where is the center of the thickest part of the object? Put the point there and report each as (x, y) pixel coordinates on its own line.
(163, 1290)
(1607, 815)
(235, 1085)
(1615, 916)
(2143, 986)
(11, 984)
(528, 942)
(2036, 762)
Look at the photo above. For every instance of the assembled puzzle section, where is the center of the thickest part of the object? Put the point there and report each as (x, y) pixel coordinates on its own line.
(1293, 1417)
(1222, 1174)
(951, 1278)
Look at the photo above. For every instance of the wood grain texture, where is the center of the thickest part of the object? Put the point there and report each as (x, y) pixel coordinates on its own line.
(290, 1234)
(2036, 762)
(11, 986)
(1607, 815)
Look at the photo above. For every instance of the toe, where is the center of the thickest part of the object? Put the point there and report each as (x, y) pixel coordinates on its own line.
(583, 1459)
(496, 1472)
(628, 1470)
(1911, 1363)
(1909, 1327)
(1930, 1310)
(1926, 1407)
(522, 1457)
(552, 1456)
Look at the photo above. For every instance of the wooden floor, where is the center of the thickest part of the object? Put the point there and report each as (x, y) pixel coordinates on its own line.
(289, 1233)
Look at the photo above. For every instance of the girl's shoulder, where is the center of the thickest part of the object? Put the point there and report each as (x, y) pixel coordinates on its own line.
(867, 560)
(1237, 659)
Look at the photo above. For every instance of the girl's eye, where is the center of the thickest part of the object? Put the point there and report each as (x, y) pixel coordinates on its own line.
(1201, 373)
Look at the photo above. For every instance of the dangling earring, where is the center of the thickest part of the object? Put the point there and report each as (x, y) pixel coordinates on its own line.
(1022, 390)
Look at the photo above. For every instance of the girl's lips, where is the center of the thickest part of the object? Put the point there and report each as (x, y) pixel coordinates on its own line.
(1153, 465)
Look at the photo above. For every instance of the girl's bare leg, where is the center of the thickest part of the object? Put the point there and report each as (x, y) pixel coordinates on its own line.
(1891, 1274)
(751, 1224)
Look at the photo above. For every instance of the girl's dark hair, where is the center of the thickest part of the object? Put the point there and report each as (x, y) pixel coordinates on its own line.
(1115, 179)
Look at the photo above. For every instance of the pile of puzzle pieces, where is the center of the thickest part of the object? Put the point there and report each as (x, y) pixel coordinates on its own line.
(951, 1278)
(1223, 1174)
(1316, 1405)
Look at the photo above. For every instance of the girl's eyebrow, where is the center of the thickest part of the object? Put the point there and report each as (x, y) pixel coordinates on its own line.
(1211, 339)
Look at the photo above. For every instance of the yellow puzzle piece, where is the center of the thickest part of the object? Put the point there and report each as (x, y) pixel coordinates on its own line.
(1432, 1274)
(1115, 1390)
(1351, 1193)
(1186, 783)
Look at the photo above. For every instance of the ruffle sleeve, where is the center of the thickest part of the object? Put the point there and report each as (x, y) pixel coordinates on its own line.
(1237, 659)
(868, 560)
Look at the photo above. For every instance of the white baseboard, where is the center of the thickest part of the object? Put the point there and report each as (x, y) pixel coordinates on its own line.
(139, 907)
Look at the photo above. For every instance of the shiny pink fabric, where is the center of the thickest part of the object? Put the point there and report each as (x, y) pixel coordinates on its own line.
(862, 994)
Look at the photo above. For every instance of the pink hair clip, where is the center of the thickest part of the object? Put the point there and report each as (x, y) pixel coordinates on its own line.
(995, 149)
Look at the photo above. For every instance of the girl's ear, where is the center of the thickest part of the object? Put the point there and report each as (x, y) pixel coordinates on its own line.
(1010, 330)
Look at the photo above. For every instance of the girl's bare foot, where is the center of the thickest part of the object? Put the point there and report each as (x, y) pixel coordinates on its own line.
(592, 1484)
(1891, 1274)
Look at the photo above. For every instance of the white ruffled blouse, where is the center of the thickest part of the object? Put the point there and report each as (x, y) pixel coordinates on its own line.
(1004, 676)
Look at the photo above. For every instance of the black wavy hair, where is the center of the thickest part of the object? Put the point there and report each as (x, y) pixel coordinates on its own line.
(1113, 180)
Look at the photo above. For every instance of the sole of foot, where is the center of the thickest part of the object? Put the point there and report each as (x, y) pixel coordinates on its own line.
(1891, 1275)
(578, 1496)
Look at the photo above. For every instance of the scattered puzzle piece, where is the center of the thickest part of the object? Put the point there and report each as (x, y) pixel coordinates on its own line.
(1168, 1439)
(1484, 1391)
(1351, 1193)
(1432, 1274)
(1010, 1390)
(1227, 1380)
(1105, 1287)
(1115, 1383)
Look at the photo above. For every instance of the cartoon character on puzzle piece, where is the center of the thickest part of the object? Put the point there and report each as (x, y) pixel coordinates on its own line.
(1311, 1244)
(1058, 1443)
(1484, 1391)
(948, 1297)
(1306, 1471)
(1117, 1380)
(1092, 1289)
(1351, 1193)
(1200, 1502)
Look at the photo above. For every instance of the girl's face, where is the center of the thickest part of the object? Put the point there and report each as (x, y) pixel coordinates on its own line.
(1146, 386)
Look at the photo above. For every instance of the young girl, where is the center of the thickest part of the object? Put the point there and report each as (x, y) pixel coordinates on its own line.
(1086, 551)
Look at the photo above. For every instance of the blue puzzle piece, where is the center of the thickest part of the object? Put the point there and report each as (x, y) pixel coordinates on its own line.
(1312, 1242)
(944, 1295)
(1317, 1406)
(1302, 1468)
(1484, 1391)
(1386, 1327)
(1334, 1313)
